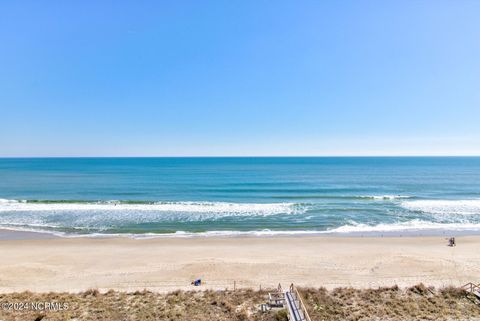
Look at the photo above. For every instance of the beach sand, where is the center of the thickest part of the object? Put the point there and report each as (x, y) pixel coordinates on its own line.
(167, 264)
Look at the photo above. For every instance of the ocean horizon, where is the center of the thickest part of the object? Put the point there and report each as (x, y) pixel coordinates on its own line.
(228, 196)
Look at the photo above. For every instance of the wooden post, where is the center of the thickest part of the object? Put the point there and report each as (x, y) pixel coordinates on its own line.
(234, 285)
(260, 287)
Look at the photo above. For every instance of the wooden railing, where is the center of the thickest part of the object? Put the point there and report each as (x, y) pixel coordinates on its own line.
(472, 287)
(276, 299)
(301, 306)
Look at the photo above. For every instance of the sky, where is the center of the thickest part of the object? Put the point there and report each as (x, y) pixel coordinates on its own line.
(239, 78)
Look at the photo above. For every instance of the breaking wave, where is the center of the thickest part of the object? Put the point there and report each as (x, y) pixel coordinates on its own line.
(388, 197)
(346, 197)
(88, 217)
(169, 219)
(444, 207)
(220, 208)
(413, 225)
(350, 229)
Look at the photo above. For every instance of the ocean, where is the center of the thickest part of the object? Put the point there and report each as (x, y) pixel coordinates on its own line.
(180, 197)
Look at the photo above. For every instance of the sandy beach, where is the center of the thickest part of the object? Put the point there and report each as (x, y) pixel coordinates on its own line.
(163, 264)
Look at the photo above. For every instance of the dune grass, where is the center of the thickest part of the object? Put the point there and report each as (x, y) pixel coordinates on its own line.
(390, 303)
(415, 303)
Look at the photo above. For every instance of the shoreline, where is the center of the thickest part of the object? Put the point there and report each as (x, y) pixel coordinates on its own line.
(167, 264)
(25, 234)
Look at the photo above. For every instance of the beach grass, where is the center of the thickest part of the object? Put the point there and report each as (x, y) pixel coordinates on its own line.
(387, 303)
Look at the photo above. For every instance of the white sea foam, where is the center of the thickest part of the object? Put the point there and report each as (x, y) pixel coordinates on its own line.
(5, 201)
(107, 215)
(231, 233)
(351, 229)
(103, 216)
(178, 234)
(190, 207)
(388, 197)
(413, 225)
(444, 207)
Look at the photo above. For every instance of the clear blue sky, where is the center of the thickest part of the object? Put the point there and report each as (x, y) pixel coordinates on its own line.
(160, 78)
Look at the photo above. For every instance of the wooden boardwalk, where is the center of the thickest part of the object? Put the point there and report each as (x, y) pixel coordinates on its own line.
(473, 289)
(296, 307)
(289, 299)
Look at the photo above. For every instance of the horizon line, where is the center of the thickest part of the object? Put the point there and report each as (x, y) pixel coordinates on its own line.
(244, 156)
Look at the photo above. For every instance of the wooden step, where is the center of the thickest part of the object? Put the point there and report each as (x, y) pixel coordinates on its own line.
(476, 293)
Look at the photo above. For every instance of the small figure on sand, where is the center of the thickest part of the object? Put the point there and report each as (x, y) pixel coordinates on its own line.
(197, 282)
(451, 242)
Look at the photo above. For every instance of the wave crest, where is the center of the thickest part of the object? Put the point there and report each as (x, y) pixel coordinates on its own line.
(213, 208)
(444, 207)
(413, 225)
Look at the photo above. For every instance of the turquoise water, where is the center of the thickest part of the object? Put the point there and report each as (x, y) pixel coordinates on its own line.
(230, 196)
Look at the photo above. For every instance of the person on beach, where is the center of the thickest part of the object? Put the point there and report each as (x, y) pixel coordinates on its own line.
(451, 242)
